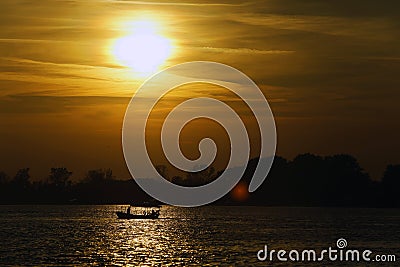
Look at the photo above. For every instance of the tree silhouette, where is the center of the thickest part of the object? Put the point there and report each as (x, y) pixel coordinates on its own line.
(59, 176)
(391, 177)
(162, 170)
(178, 180)
(200, 178)
(22, 177)
(99, 175)
(109, 174)
(306, 179)
(391, 185)
(346, 180)
(3, 178)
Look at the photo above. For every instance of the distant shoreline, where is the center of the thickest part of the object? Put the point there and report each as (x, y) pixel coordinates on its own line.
(306, 181)
(211, 205)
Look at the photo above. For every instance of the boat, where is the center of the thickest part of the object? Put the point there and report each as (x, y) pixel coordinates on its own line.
(142, 211)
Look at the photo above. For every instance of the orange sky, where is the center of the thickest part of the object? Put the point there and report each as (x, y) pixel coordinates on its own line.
(329, 70)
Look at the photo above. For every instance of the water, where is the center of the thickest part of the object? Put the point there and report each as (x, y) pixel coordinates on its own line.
(206, 236)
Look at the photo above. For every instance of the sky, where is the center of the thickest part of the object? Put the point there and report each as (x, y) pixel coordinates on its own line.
(329, 69)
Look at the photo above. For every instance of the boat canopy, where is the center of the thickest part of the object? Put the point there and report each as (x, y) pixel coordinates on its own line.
(145, 205)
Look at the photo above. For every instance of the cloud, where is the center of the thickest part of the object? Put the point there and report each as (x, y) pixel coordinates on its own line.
(66, 65)
(245, 51)
(19, 40)
(63, 78)
(42, 104)
(190, 4)
(351, 8)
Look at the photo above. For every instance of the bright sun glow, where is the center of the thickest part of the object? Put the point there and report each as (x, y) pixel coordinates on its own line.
(143, 49)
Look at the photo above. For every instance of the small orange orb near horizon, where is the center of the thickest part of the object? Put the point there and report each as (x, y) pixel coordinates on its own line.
(239, 192)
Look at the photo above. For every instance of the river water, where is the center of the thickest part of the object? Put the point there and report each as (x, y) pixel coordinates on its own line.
(206, 236)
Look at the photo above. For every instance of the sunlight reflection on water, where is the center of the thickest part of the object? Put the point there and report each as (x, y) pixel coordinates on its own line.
(91, 235)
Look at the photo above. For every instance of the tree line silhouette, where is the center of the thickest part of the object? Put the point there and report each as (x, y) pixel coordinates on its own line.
(307, 180)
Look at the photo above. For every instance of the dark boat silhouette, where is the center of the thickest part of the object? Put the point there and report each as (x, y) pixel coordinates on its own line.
(143, 211)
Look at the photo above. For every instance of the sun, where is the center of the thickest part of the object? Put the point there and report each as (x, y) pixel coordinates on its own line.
(143, 49)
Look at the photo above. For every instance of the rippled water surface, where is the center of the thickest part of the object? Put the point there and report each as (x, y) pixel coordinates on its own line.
(92, 235)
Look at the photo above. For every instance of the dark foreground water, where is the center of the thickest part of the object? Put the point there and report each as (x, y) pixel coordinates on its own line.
(207, 236)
